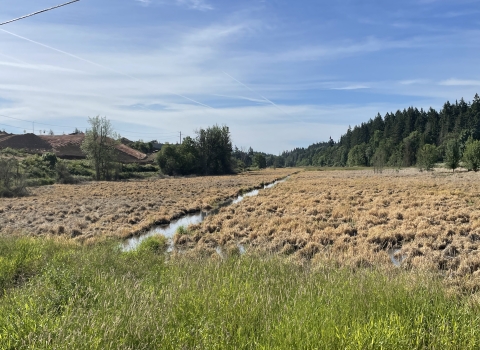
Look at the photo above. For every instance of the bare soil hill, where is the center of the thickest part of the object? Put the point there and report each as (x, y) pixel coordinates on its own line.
(64, 146)
(31, 142)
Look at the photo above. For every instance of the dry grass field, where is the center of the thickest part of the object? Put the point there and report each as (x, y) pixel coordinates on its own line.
(428, 221)
(120, 209)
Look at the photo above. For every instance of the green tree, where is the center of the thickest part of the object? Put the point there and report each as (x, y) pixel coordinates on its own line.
(208, 154)
(427, 157)
(471, 155)
(357, 155)
(452, 154)
(99, 147)
(260, 161)
(214, 148)
(169, 160)
(379, 159)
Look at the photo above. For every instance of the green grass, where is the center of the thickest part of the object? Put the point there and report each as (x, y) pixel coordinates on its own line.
(64, 296)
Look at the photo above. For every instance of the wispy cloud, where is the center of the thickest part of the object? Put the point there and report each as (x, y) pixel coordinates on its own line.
(200, 5)
(242, 98)
(460, 82)
(41, 67)
(144, 2)
(456, 14)
(413, 82)
(351, 87)
(369, 45)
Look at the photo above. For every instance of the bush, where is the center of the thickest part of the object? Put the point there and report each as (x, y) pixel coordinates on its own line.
(80, 167)
(13, 152)
(427, 157)
(471, 155)
(12, 179)
(36, 168)
(63, 175)
(50, 159)
(155, 244)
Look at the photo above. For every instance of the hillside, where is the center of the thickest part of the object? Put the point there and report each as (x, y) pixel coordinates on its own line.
(64, 146)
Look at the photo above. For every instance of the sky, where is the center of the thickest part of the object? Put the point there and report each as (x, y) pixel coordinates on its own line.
(280, 74)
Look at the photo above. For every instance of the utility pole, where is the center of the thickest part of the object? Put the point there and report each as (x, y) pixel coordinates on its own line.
(33, 123)
(180, 137)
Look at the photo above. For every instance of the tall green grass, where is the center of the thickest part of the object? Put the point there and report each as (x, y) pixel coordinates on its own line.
(64, 296)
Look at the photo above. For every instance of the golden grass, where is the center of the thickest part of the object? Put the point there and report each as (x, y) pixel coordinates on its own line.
(120, 209)
(355, 218)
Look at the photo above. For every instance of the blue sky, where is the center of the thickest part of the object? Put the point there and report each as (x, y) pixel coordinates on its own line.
(281, 74)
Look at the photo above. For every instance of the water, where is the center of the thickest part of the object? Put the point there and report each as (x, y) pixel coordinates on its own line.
(169, 230)
(392, 253)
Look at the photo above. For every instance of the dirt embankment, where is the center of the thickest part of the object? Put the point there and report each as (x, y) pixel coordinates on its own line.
(120, 209)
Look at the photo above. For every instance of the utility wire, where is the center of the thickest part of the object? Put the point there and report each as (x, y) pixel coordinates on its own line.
(38, 12)
(32, 121)
(17, 127)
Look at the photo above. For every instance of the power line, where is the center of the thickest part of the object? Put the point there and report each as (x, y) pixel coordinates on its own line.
(38, 12)
(32, 121)
(11, 126)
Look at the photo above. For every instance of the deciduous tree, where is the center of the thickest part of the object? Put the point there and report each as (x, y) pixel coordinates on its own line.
(99, 147)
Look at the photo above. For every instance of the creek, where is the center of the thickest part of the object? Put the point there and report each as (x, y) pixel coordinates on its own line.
(169, 230)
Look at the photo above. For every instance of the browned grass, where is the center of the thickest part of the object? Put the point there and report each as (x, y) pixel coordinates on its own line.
(120, 209)
(355, 218)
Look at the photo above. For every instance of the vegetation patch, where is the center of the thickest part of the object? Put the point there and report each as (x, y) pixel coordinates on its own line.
(74, 297)
(121, 209)
(352, 218)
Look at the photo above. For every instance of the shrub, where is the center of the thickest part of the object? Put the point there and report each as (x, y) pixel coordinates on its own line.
(155, 244)
(12, 179)
(50, 159)
(427, 157)
(12, 152)
(80, 167)
(63, 175)
(36, 168)
(471, 155)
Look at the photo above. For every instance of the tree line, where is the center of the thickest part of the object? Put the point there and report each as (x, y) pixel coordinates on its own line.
(404, 138)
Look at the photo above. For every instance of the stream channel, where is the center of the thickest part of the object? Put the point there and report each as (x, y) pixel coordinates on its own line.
(169, 230)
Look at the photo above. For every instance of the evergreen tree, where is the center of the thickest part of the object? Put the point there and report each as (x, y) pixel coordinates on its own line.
(452, 154)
